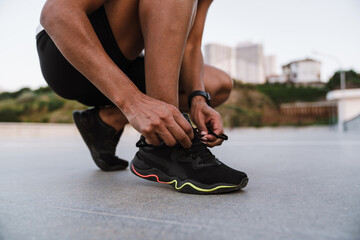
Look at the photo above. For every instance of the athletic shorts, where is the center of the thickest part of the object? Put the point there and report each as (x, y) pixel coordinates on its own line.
(68, 82)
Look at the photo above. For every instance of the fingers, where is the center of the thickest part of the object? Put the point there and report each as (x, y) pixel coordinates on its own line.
(183, 124)
(155, 136)
(171, 128)
(178, 129)
(200, 124)
(217, 142)
(217, 127)
(151, 138)
(158, 131)
(180, 135)
(167, 137)
(157, 121)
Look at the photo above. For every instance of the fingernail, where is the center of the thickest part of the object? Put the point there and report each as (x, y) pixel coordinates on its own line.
(204, 138)
(203, 133)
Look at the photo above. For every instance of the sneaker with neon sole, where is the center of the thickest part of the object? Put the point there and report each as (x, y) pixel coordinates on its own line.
(195, 170)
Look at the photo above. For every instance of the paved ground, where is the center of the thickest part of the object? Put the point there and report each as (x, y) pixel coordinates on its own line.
(304, 184)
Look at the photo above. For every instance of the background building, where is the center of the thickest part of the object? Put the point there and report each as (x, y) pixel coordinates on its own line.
(270, 66)
(246, 62)
(250, 66)
(222, 57)
(304, 72)
(275, 79)
(348, 102)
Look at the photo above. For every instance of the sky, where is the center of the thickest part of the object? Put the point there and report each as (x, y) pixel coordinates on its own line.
(327, 30)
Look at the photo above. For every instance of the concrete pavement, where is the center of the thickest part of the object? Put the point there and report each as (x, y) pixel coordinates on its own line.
(304, 184)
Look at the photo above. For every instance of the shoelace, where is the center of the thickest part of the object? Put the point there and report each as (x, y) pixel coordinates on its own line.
(222, 136)
(199, 149)
(142, 142)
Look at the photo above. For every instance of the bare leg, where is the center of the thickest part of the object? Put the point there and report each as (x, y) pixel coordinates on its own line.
(114, 117)
(218, 83)
(124, 21)
(123, 17)
(165, 26)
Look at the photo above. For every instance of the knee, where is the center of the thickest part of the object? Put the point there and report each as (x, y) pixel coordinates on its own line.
(226, 83)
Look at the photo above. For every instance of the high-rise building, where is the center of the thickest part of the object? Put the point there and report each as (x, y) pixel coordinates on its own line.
(270, 66)
(250, 63)
(244, 63)
(222, 57)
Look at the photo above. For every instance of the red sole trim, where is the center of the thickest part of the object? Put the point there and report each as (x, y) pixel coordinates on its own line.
(147, 176)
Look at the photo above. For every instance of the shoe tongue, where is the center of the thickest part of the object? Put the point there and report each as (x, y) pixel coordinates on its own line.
(200, 150)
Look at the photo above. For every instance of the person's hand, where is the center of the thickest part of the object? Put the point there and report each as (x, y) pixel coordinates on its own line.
(206, 118)
(157, 120)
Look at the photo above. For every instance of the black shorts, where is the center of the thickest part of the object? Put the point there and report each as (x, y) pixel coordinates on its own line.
(68, 82)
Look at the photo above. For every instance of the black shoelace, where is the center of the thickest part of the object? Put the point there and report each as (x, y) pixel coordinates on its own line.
(199, 149)
(222, 136)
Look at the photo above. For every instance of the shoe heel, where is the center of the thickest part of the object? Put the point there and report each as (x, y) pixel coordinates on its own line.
(147, 173)
(139, 173)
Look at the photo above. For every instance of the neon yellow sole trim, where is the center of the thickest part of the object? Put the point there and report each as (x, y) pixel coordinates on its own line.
(198, 188)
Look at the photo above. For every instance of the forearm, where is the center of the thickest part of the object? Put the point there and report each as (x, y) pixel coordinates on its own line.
(71, 31)
(192, 70)
(205, 118)
(192, 73)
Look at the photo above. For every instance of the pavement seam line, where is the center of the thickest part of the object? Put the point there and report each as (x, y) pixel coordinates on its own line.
(129, 217)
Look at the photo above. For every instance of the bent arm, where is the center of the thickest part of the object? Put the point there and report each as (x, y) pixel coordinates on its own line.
(67, 24)
(192, 79)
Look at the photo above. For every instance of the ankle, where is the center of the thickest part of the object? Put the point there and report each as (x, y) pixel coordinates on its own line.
(113, 117)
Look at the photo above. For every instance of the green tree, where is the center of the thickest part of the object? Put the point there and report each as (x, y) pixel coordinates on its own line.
(9, 95)
(352, 80)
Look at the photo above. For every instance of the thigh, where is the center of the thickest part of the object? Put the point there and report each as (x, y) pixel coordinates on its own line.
(63, 78)
(66, 81)
(123, 17)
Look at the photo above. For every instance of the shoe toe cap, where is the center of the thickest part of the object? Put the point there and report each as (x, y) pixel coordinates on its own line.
(108, 162)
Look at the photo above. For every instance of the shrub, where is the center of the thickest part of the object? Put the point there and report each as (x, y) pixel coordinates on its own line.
(10, 115)
(281, 93)
(55, 103)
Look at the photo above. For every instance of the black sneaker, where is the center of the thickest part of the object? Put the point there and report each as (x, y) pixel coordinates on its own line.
(100, 138)
(195, 170)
